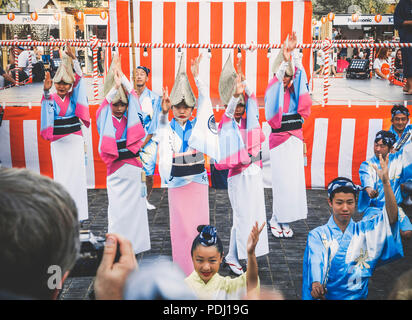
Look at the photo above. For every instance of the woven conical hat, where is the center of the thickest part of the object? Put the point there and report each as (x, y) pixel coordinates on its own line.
(227, 81)
(65, 70)
(181, 88)
(109, 83)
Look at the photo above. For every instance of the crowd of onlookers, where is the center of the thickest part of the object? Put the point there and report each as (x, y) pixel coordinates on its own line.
(23, 66)
(340, 60)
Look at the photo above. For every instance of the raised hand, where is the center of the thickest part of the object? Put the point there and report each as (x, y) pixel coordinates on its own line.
(289, 46)
(117, 79)
(383, 173)
(70, 51)
(239, 87)
(47, 81)
(111, 276)
(166, 103)
(194, 67)
(239, 69)
(254, 238)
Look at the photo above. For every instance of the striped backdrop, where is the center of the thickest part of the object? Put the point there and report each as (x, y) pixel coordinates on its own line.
(232, 22)
(338, 139)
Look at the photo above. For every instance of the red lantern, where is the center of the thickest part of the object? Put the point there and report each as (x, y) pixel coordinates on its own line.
(103, 15)
(324, 20)
(57, 16)
(11, 16)
(355, 17)
(331, 16)
(80, 15)
(378, 18)
(34, 16)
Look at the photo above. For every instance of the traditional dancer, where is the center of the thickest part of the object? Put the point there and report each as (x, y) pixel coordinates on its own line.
(400, 170)
(342, 255)
(287, 103)
(183, 165)
(151, 108)
(121, 135)
(61, 113)
(240, 146)
(400, 127)
(207, 255)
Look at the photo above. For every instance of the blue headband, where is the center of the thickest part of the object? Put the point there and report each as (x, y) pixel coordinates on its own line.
(399, 109)
(147, 70)
(388, 138)
(338, 183)
(208, 236)
(20, 47)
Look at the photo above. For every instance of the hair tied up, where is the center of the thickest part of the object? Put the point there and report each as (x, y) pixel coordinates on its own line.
(208, 235)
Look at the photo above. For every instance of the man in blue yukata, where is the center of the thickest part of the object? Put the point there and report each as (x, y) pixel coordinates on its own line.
(341, 255)
(150, 104)
(400, 170)
(400, 127)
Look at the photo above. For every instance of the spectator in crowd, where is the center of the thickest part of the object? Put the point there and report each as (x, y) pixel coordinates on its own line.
(342, 64)
(381, 65)
(40, 241)
(23, 64)
(398, 65)
(79, 33)
(320, 61)
(403, 23)
(38, 231)
(5, 78)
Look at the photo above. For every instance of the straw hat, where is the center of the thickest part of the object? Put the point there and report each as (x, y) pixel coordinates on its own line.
(181, 88)
(65, 70)
(227, 82)
(109, 83)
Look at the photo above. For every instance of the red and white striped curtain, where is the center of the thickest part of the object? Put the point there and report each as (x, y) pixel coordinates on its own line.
(338, 140)
(214, 22)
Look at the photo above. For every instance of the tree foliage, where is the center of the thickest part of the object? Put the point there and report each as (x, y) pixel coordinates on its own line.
(7, 4)
(322, 7)
(79, 4)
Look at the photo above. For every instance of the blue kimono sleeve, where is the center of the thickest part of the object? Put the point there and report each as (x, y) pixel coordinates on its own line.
(313, 264)
(47, 118)
(366, 181)
(382, 238)
(157, 109)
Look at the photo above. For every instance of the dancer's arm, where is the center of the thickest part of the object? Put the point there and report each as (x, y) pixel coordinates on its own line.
(252, 266)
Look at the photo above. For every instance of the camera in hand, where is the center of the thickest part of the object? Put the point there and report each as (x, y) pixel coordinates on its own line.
(91, 253)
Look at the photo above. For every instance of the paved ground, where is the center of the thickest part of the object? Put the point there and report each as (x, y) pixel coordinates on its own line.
(280, 269)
